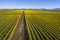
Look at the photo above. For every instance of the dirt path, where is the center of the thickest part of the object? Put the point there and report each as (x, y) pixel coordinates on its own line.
(20, 32)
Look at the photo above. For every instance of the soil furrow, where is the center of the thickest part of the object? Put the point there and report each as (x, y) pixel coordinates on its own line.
(20, 32)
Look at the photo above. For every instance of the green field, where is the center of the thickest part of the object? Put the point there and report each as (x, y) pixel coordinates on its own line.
(41, 24)
(8, 22)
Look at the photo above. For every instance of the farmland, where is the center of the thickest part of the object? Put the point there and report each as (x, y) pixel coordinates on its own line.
(8, 22)
(43, 25)
(29, 24)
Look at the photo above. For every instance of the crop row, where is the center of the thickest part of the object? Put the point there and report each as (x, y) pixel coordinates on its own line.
(43, 27)
(7, 24)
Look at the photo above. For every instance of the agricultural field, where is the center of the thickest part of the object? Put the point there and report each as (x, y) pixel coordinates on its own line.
(8, 22)
(43, 25)
(29, 25)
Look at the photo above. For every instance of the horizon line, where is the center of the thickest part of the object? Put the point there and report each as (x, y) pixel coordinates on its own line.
(29, 8)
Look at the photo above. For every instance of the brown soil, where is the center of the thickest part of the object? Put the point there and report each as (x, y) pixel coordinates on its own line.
(20, 32)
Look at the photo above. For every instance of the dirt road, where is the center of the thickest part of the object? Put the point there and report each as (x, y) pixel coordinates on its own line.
(20, 32)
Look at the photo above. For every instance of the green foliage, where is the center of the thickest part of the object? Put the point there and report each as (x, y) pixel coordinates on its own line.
(8, 23)
(43, 25)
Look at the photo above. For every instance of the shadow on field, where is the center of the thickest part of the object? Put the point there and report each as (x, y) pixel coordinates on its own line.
(25, 28)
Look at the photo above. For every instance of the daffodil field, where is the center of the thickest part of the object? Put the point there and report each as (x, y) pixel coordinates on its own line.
(41, 24)
(8, 22)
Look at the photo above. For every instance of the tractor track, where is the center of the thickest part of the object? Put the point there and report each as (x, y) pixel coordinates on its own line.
(20, 33)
